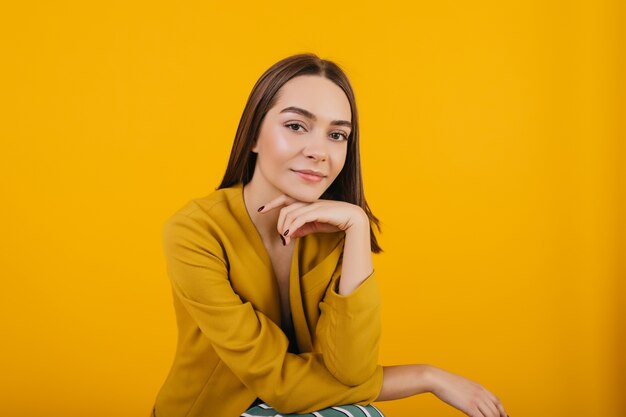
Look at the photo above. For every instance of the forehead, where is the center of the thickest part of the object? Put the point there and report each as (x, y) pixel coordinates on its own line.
(317, 94)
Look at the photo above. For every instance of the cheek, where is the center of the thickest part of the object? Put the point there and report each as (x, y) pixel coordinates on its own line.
(276, 145)
(339, 160)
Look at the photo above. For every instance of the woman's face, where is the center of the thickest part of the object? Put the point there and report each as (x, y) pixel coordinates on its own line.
(303, 139)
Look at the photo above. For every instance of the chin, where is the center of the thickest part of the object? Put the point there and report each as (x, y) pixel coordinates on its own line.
(304, 193)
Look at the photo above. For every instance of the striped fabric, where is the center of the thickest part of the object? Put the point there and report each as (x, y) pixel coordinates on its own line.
(351, 410)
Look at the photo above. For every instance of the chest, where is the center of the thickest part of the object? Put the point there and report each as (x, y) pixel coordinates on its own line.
(281, 264)
(267, 278)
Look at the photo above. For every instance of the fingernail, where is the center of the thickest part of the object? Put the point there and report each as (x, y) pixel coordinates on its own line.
(286, 231)
(260, 208)
(283, 239)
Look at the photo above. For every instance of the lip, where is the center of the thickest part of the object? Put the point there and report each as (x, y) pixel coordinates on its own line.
(309, 175)
(310, 172)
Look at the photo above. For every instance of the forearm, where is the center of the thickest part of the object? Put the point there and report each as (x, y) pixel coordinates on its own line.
(467, 396)
(404, 381)
(357, 256)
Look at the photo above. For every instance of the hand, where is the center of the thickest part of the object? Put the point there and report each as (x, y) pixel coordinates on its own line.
(299, 218)
(465, 395)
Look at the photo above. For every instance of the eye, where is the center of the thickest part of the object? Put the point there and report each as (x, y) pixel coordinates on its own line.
(294, 126)
(339, 136)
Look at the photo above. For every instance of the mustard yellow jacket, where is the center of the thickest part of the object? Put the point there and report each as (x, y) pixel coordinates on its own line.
(231, 348)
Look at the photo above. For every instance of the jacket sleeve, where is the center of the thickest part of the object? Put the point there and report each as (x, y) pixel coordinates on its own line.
(348, 330)
(247, 341)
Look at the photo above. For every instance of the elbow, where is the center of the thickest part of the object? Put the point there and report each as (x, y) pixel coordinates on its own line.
(278, 404)
(282, 403)
(351, 379)
(354, 361)
(352, 374)
(279, 396)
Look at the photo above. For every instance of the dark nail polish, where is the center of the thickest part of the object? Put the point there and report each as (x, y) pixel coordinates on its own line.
(261, 208)
(286, 231)
(283, 239)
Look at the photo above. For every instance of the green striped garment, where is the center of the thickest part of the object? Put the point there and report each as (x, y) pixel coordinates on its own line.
(350, 410)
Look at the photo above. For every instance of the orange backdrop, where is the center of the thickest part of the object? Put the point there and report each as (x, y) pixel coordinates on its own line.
(493, 152)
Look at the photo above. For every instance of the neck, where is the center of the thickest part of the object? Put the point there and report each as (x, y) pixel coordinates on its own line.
(256, 194)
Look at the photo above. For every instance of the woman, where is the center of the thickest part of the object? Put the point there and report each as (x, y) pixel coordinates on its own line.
(276, 299)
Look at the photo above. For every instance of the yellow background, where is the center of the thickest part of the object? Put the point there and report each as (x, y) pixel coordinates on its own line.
(493, 152)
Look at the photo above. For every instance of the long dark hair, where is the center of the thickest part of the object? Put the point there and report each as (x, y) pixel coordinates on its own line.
(348, 186)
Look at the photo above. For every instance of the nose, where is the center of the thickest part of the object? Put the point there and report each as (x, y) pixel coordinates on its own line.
(316, 148)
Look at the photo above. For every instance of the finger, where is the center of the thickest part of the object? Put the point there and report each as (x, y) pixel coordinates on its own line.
(498, 404)
(305, 221)
(289, 215)
(282, 225)
(493, 411)
(501, 409)
(490, 395)
(279, 201)
(475, 412)
(299, 222)
(484, 408)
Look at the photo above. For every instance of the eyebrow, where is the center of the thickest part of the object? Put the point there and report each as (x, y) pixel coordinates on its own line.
(311, 116)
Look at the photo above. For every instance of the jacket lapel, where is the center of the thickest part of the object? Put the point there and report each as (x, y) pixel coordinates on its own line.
(316, 260)
(295, 299)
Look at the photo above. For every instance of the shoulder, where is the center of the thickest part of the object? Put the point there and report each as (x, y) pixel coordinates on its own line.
(215, 206)
(205, 220)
